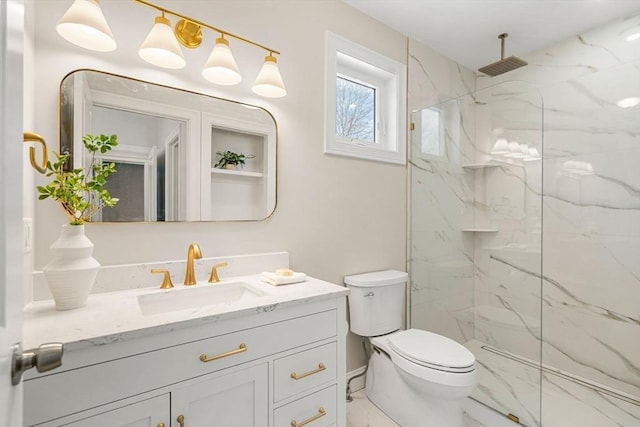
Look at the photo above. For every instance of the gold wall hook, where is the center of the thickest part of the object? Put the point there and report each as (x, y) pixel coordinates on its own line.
(166, 281)
(34, 137)
(213, 278)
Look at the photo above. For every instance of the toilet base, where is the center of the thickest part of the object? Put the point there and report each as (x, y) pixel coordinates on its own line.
(386, 388)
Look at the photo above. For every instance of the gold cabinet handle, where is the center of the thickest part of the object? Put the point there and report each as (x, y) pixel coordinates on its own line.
(321, 413)
(180, 420)
(320, 368)
(241, 349)
(34, 137)
(160, 425)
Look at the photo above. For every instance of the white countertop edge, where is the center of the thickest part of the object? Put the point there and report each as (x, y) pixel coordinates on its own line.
(116, 316)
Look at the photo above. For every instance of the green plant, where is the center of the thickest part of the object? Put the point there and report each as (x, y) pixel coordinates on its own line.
(231, 158)
(81, 195)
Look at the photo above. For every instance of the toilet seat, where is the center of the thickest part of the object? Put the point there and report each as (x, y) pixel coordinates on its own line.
(432, 351)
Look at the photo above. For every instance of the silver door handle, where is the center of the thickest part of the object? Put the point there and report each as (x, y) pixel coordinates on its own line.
(44, 358)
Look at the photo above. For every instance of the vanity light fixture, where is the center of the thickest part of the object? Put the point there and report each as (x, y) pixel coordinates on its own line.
(162, 46)
(84, 25)
(221, 67)
(533, 155)
(500, 147)
(269, 82)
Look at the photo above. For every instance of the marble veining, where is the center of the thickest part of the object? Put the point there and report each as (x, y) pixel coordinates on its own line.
(558, 283)
(115, 316)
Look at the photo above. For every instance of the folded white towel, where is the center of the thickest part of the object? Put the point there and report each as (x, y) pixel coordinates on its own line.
(276, 280)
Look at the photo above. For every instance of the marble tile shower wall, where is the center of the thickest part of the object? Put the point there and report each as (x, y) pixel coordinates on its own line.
(572, 280)
(591, 204)
(441, 258)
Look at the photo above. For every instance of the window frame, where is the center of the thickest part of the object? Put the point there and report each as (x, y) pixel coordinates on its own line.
(354, 62)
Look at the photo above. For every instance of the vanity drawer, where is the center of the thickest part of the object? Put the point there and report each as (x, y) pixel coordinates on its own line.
(301, 371)
(317, 410)
(137, 374)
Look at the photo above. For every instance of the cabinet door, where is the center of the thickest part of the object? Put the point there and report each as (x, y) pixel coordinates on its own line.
(153, 412)
(223, 399)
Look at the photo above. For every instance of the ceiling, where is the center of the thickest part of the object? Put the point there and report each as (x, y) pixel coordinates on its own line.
(466, 30)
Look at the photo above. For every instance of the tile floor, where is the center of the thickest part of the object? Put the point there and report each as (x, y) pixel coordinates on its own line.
(362, 413)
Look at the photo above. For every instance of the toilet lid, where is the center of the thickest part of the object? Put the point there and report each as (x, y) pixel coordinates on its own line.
(432, 350)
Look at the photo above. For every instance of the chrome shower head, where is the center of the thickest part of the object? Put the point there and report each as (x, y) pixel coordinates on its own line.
(505, 64)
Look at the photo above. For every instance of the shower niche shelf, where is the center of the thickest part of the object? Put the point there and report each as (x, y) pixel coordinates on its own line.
(480, 230)
(480, 165)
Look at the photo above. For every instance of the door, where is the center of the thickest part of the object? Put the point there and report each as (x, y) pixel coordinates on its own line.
(11, 41)
(153, 412)
(230, 398)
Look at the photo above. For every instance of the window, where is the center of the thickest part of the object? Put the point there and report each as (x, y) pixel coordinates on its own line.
(365, 103)
(355, 111)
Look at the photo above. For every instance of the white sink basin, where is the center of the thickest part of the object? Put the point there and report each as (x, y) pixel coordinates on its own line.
(201, 295)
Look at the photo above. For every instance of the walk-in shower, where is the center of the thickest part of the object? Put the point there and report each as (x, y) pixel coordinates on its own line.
(525, 226)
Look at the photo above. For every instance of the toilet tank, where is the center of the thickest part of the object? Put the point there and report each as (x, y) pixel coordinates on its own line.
(376, 301)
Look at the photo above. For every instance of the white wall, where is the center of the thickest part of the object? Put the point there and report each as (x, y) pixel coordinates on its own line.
(336, 216)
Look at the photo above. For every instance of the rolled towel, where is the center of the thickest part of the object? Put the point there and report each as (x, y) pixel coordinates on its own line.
(276, 279)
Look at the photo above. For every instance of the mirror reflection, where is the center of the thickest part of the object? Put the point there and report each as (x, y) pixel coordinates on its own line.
(171, 143)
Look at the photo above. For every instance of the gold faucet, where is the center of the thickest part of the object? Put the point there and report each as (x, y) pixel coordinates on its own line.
(213, 278)
(193, 253)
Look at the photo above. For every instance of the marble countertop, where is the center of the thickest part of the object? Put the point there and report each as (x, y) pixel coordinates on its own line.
(109, 316)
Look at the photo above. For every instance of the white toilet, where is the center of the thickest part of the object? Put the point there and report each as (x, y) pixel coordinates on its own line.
(416, 377)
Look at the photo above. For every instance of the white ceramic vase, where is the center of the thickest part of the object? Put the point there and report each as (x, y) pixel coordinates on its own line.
(72, 271)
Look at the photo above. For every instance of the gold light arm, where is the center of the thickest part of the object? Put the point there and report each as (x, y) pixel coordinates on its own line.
(320, 368)
(202, 24)
(241, 349)
(34, 137)
(321, 413)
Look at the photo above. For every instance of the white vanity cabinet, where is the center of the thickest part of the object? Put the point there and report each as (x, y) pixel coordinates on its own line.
(272, 367)
(151, 412)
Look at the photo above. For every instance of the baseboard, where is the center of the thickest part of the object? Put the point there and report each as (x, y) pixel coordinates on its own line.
(357, 383)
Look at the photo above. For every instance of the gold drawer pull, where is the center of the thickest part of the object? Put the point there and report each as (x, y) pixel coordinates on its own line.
(320, 368)
(242, 348)
(180, 420)
(321, 413)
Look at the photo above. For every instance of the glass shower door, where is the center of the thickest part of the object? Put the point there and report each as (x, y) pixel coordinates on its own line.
(475, 237)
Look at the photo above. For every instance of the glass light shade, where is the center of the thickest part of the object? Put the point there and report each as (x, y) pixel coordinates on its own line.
(84, 25)
(161, 47)
(500, 147)
(221, 68)
(533, 155)
(269, 82)
(514, 150)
